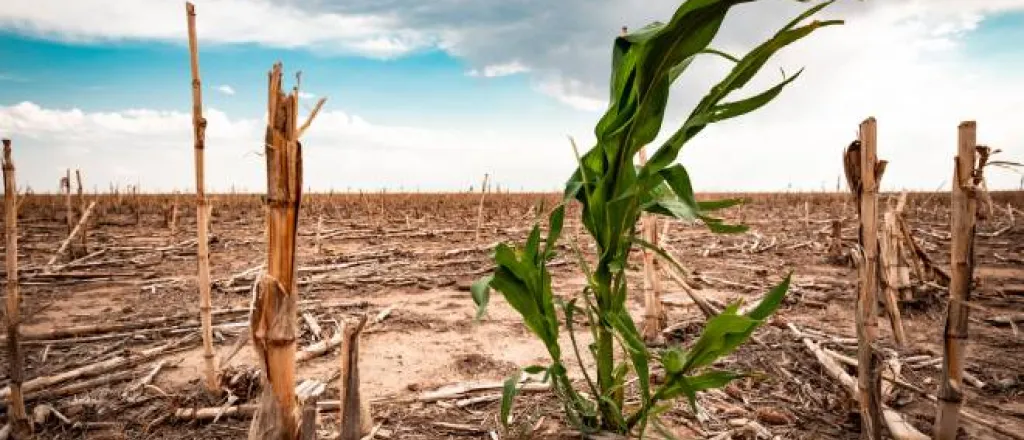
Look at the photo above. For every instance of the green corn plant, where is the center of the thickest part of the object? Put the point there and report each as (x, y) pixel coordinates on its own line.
(613, 193)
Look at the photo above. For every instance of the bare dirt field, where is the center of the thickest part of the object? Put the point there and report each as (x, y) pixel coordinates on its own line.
(407, 260)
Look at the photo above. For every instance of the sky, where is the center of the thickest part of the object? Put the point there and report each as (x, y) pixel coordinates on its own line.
(430, 96)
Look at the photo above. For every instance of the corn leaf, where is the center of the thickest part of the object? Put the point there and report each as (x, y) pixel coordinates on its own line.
(508, 393)
(481, 291)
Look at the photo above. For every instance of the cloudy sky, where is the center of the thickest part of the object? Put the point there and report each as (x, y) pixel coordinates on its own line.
(432, 95)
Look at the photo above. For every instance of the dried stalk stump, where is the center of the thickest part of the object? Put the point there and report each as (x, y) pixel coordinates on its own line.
(21, 427)
(274, 319)
(964, 207)
(863, 173)
(355, 415)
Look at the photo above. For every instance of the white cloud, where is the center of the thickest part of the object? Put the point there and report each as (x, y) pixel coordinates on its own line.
(503, 69)
(341, 150)
(226, 89)
(306, 95)
(903, 61)
(217, 21)
(573, 93)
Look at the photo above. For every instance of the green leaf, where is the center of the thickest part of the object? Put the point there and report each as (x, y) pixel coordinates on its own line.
(613, 192)
(535, 369)
(616, 412)
(554, 230)
(715, 205)
(721, 54)
(712, 379)
(771, 301)
(481, 292)
(705, 111)
(636, 349)
(533, 244)
(679, 180)
(722, 334)
(672, 359)
(508, 393)
(734, 109)
(689, 386)
(719, 227)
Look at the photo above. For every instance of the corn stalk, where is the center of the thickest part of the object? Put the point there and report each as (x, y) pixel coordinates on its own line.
(865, 187)
(202, 207)
(274, 320)
(655, 317)
(613, 193)
(964, 207)
(21, 426)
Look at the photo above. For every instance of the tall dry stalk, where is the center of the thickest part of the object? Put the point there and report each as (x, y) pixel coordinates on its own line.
(863, 173)
(202, 206)
(655, 318)
(480, 208)
(172, 223)
(274, 319)
(69, 217)
(21, 426)
(964, 207)
(81, 211)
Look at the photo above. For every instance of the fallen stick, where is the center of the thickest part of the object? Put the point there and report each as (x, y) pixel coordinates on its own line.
(1005, 320)
(313, 325)
(82, 386)
(898, 426)
(80, 261)
(177, 329)
(461, 389)
(89, 330)
(246, 410)
(320, 348)
(706, 308)
(98, 368)
(74, 232)
(470, 401)
(460, 427)
(145, 380)
(967, 415)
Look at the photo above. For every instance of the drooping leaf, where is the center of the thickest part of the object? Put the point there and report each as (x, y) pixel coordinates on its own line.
(481, 292)
(715, 205)
(704, 113)
(720, 227)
